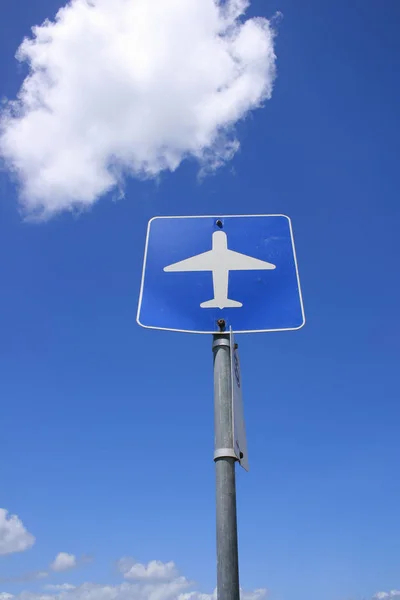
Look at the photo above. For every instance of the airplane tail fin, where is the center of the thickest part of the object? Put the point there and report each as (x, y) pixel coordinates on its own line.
(226, 304)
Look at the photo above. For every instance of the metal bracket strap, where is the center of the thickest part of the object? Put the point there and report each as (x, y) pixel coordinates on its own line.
(225, 453)
(221, 341)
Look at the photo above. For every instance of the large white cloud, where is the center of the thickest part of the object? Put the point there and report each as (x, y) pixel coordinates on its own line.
(119, 87)
(164, 584)
(392, 595)
(13, 535)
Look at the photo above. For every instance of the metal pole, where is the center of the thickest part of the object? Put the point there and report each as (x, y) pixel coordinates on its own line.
(225, 459)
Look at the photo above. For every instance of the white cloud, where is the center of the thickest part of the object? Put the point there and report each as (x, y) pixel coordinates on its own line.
(155, 570)
(393, 594)
(172, 590)
(63, 562)
(119, 87)
(161, 583)
(198, 596)
(5, 596)
(13, 535)
(62, 587)
(126, 591)
(256, 595)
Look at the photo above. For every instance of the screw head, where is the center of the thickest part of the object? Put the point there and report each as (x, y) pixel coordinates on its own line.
(221, 324)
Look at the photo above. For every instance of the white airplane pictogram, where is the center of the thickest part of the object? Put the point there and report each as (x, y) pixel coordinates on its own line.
(220, 260)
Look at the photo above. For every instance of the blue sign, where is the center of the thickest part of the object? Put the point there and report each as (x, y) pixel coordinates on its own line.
(242, 269)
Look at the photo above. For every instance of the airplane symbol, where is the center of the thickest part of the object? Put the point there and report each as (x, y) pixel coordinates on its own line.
(220, 260)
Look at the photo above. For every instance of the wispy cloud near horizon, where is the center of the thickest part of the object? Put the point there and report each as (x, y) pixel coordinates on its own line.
(152, 581)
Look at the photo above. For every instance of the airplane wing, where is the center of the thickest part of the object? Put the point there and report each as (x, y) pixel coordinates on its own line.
(241, 262)
(200, 262)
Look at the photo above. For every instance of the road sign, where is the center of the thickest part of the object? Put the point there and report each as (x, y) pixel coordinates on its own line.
(239, 427)
(241, 269)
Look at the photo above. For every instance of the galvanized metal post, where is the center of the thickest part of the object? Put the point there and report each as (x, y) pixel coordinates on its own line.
(225, 460)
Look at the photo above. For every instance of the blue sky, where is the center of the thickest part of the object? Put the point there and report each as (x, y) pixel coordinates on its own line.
(107, 428)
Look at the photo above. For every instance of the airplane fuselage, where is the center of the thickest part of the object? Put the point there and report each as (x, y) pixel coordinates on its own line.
(220, 260)
(220, 274)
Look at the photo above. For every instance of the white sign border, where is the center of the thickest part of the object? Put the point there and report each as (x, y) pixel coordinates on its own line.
(215, 331)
